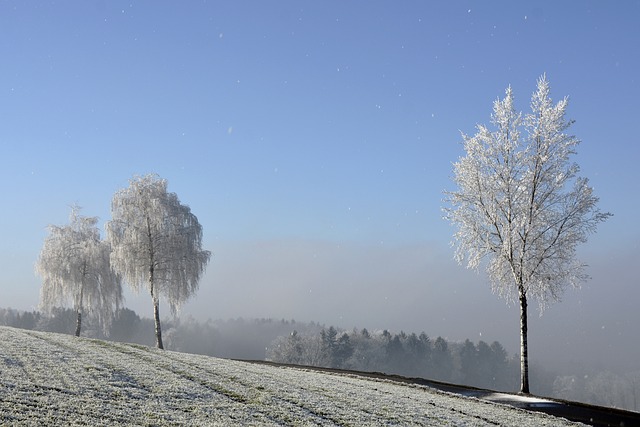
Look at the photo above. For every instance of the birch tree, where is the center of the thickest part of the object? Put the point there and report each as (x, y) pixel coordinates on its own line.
(521, 209)
(74, 264)
(157, 244)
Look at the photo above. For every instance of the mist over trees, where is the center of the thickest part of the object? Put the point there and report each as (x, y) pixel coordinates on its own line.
(478, 364)
(74, 265)
(513, 211)
(413, 355)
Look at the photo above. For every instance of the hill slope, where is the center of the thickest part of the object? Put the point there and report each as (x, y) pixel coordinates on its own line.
(52, 379)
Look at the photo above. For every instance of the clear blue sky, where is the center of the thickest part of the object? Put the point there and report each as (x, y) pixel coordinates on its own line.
(313, 140)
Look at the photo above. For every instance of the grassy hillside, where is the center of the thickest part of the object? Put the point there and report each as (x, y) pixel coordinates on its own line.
(53, 379)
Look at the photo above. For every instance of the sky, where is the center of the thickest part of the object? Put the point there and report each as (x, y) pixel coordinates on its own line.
(314, 141)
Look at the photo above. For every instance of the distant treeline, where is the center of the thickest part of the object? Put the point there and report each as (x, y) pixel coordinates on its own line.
(235, 338)
(482, 365)
(416, 355)
(288, 341)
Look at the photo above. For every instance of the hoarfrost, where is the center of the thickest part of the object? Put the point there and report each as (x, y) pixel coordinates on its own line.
(57, 379)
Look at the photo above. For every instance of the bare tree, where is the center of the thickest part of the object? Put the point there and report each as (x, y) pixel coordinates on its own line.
(513, 207)
(157, 243)
(74, 264)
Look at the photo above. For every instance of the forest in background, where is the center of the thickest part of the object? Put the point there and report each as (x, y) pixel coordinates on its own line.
(481, 364)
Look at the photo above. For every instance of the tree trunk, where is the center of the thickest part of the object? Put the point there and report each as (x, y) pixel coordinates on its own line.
(78, 322)
(78, 306)
(524, 351)
(156, 302)
(156, 318)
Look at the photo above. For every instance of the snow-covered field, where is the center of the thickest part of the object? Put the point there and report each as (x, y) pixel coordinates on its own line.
(52, 379)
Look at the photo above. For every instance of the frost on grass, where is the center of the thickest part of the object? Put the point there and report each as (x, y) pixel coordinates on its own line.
(51, 379)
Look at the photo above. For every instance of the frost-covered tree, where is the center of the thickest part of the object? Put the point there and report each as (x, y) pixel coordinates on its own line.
(287, 349)
(521, 206)
(74, 264)
(157, 243)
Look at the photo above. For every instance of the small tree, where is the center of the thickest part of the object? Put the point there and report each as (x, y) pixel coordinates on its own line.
(157, 243)
(512, 206)
(74, 265)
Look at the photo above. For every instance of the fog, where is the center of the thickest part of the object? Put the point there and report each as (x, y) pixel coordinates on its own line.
(419, 288)
(582, 348)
